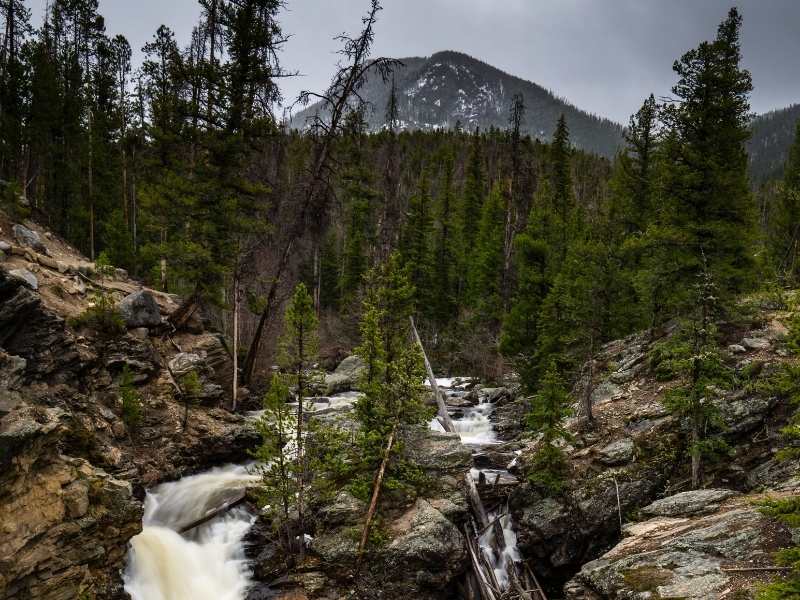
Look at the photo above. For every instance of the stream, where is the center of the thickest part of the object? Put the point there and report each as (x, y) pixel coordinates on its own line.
(208, 562)
(475, 427)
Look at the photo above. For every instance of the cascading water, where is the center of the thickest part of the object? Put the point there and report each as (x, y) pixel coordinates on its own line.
(476, 430)
(500, 558)
(206, 563)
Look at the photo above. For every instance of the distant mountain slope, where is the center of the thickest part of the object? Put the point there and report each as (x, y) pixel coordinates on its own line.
(451, 87)
(773, 134)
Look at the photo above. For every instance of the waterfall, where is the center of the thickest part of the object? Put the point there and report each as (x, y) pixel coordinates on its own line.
(500, 557)
(476, 430)
(206, 563)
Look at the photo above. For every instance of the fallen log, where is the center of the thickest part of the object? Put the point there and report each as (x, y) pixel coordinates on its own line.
(444, 416)
(373, 505)
(229, 505)
(477, 503)
(485, 586)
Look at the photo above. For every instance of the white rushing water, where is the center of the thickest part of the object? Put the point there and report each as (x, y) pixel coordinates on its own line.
(476, 430)
(206, 563)
(500, 559)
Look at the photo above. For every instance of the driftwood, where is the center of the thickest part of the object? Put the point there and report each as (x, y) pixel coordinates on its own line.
(230, 504)
(487, 588)
(476, 502)
(376, 491)
(444, 416)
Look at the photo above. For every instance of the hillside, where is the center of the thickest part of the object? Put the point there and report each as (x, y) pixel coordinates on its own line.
(450, 87)
(773, 134)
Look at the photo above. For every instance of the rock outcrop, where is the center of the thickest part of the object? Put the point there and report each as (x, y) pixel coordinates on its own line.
(631, 461)
(140, 309)
(72, 471)
(345, 377)
(687, 555)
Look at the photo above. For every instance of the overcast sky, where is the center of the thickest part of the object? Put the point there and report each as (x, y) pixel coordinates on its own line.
(604, 56)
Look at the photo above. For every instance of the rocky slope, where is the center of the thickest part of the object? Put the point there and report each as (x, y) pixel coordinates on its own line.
(629, 479)
(72, 473)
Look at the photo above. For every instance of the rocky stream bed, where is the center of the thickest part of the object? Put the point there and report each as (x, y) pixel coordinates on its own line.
(84, 500)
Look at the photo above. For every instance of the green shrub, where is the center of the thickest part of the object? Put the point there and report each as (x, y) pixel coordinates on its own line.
(786, 510)
(131, 401)
(12, 202)
(103, 317)
(103, 265)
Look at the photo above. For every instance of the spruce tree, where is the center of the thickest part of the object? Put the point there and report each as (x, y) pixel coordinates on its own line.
(486, 275)
(415, 242)
(707, 207)
(784, 225)
(299, 346)
(563, 198)
(443, 297)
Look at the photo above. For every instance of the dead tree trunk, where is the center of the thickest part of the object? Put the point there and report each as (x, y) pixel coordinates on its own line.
(345, 83)
(447, 422)
(376, 492)
(235, 350)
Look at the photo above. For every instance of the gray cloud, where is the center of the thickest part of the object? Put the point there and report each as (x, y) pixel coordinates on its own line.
(604, 56)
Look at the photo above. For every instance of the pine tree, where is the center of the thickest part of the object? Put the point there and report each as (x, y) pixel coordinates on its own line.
(360, 197)
(486, 275)
(549, 408)
(415, 242)
(784, 225)
(279, 473)
(707, 208)
(520, 336)
(704, 373)
(392, 384)
(443, 297)
(14, 88)
(299, 345)
(563, 198)
(471, 204)
(634, 171)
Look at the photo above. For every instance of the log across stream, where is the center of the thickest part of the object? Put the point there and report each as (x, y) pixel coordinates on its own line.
(498, 570)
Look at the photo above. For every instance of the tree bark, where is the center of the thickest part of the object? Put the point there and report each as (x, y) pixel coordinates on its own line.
(235, 350)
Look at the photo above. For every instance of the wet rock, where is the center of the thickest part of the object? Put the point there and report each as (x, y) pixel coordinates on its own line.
(345, 377)
(344, 510)
(617, 452)
(497, 396)
(25, 275)
(5, 247)
(29, 238)
(689, 503)
(140, 309)
(430, 552)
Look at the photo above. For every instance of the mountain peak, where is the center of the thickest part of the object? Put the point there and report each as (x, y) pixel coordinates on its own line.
(450, 88)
